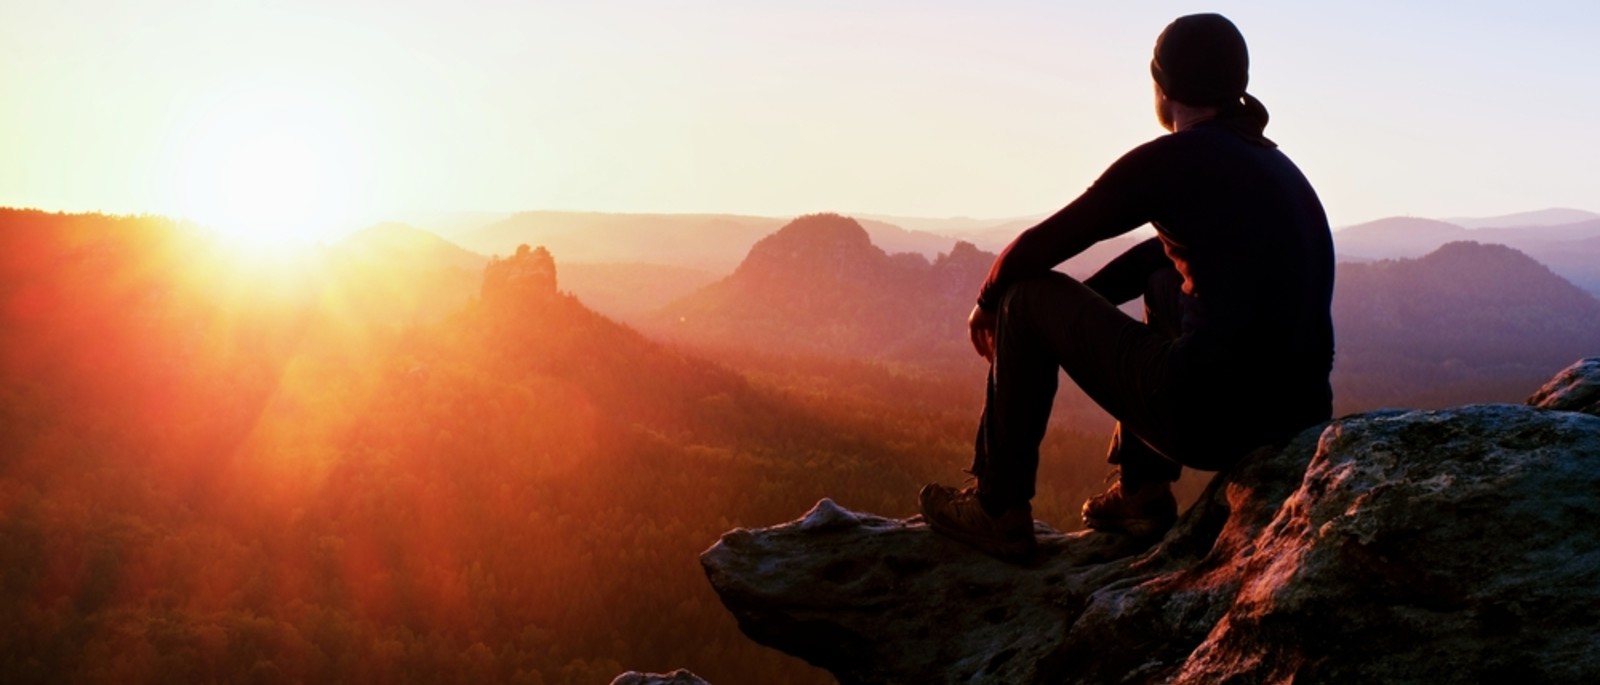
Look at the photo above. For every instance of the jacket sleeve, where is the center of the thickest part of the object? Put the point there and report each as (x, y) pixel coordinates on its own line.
(1122, 199)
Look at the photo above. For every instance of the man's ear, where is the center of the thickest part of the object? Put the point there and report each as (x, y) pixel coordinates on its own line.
(1164, 113)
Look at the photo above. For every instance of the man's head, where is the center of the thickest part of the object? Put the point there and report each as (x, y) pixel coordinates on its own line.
(1200, 61)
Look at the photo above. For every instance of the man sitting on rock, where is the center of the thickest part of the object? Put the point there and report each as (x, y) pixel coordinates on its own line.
(1237, 341)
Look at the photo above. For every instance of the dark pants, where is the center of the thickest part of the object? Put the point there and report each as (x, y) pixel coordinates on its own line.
(1056, 322)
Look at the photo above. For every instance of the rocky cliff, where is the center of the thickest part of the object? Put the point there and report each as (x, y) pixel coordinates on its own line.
(1449, 546)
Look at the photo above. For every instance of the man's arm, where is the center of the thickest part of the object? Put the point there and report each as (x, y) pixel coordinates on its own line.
(1120, 201)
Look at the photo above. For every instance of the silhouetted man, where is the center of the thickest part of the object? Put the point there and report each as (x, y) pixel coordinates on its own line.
(1236, 344)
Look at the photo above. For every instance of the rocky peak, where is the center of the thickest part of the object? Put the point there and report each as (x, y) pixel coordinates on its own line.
(1449, 546)
(965, 253)
(821, 274)
(526, 277)
(1469, 260)
(1489, 273)
(814, 246)
(960, 271)
(821, 231)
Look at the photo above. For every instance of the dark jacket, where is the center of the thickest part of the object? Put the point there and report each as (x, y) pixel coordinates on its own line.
(1247, 232)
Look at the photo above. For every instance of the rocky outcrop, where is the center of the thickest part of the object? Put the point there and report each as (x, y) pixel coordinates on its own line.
(1576, 388)
(681, 676)
(1450, 546)
(814, 247)
(953, 272)
(527, 277)
(822, 274)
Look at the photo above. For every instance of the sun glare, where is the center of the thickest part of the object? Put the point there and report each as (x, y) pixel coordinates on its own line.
(269, 168)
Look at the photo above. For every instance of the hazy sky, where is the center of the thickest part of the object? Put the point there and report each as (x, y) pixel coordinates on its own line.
(348, 109)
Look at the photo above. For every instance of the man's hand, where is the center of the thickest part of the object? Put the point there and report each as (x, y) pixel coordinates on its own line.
(981, 325)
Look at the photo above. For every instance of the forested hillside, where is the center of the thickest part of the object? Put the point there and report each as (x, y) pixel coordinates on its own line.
(1467, 323)
(226, 468)
(1566, 241)
(215, 474)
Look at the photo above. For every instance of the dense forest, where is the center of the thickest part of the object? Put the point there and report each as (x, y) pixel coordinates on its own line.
(1466, 322)
(218, 471)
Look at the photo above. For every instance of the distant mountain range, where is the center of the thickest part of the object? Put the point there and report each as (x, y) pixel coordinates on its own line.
(1438, 312)
(630, 290)
(1564, 239)
(394, 273)
(1467, 320)
(1554, 216)
(715, 242)
(988, 234)
(1428, 310)
(1572, 250)
(820, 286)
(405, 246)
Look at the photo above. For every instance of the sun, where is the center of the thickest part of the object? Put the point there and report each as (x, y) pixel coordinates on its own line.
(270, 167)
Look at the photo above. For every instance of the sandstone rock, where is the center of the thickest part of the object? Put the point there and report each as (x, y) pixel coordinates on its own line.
(1452, 546)
(1447, 546)
(681, 676)
(524, 278)
(1576, 388)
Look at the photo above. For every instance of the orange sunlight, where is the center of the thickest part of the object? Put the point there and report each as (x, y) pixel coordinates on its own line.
(269, 167)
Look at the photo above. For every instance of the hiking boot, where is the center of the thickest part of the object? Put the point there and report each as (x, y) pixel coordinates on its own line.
(959, 515)
(1144, 511)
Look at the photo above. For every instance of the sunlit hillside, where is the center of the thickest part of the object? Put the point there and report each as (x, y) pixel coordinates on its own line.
(223, 475)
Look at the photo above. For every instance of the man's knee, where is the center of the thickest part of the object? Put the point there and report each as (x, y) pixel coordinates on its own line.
(1048, 290)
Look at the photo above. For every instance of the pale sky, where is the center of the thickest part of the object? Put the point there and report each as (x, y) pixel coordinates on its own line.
(353, 109)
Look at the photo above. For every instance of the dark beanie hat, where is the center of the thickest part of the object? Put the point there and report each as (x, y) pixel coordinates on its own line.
(1201, 60)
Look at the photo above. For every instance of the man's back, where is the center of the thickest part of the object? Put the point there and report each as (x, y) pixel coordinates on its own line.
(1246, 230)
